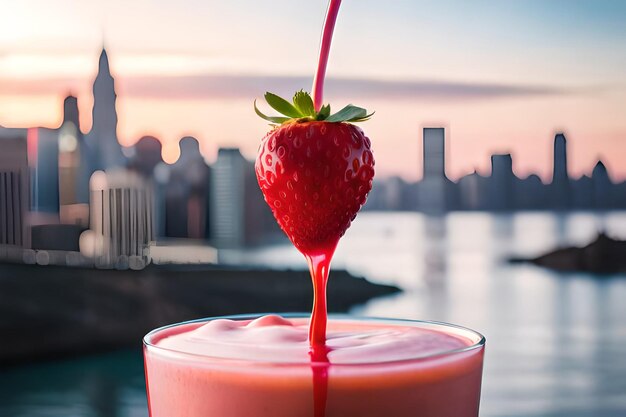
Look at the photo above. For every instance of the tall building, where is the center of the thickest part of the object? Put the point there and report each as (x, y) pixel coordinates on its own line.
(146, 155)
(186, 209)
(70, 111)
(226, 212)
(601, 186)
(259, 222)
(105, 150)
(529, 193)
(121, 221)
(14, 189)
(70, 142)
(582, 193)
(472, 191)
(501, 182)
(560, 188)
(434, 153)
(432, 189)
(43, 160)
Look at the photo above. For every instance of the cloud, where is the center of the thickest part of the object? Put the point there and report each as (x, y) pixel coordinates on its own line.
(24, 86)
(246, 86)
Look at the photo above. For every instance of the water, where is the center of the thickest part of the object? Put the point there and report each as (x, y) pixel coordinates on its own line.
(109, 385)
(556, 342)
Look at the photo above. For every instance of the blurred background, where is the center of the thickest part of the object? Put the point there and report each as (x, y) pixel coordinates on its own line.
(128, 198)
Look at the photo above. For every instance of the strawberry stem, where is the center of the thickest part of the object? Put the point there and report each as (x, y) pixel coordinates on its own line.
(327, 35)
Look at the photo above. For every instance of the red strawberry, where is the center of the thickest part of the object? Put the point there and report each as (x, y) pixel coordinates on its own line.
(315, 170)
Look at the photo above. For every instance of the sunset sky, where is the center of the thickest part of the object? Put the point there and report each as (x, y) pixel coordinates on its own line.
(501, 76)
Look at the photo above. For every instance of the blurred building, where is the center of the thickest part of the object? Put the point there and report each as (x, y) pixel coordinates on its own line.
(14, 189)
(121, 221)
(227, 198)
(501, 183)
(259, 223)
(43, 160)
(187, 193)
(103, 149)
(161, 177)
(472, 192)
(69, 152)
(392, 193)
(73, 183)
(602, 185)
(432, 188)
(582, 193)
(56, 237)
(530, 193)
(560, 188)
(145, 156)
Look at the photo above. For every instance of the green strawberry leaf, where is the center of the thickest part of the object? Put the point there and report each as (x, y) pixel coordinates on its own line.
(302, 110)
(361, 119)
(278, 120)
(349, 112)
(282, 106)
(324, 112)
(304, 104)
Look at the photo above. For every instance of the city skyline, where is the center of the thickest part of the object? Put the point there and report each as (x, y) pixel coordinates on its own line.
(74, 198)
(484, 170)
(524, 76)
(68, 198)
(501, 190)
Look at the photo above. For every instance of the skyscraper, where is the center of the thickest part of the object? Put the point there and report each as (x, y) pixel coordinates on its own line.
(434, 153)
(472, 191)
(227, 198)
(601, 186)
(146, 155)
(70, 141)
(14, 189)
(43, 159)
(560, 188)
(432, 189)
(121, 221)
(187, 193)
(105, 150)
(502, 182)
(70, 111)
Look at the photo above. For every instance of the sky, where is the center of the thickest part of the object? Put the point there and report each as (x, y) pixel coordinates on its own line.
(501, 76)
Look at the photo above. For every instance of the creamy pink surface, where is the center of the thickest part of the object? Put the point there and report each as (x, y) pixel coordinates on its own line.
(262, 367)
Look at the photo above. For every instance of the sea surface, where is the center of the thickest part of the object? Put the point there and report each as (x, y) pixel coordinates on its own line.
(556, 343)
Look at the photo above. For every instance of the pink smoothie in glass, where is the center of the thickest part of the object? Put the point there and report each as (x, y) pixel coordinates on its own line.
(263, 367)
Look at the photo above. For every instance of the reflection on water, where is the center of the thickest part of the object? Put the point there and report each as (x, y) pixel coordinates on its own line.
(556, 342)
(108, 385)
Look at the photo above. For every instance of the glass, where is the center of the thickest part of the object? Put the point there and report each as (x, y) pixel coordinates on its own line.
(444, 384)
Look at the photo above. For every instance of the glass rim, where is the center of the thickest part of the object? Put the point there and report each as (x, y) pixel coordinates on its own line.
(480, 343)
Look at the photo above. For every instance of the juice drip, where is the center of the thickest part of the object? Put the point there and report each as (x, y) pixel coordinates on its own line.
(319, 366)
(319, 265)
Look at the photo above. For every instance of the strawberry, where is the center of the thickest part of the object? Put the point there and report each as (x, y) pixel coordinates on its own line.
(315, 170)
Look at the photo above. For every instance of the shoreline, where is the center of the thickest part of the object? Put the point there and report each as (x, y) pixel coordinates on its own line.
(55, 311)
